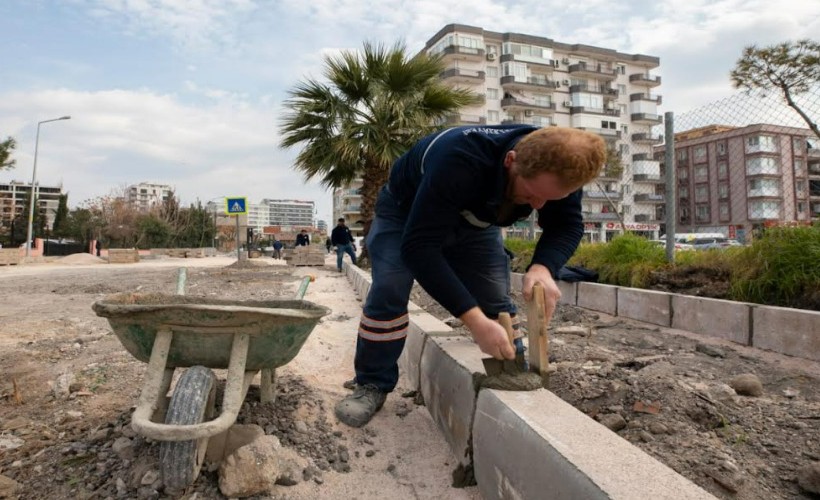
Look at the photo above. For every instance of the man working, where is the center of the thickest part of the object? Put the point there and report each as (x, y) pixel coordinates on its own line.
(343, 240)
(438, 220)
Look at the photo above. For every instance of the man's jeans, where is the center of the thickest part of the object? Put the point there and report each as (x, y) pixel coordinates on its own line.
(341, 250)
(476, 256)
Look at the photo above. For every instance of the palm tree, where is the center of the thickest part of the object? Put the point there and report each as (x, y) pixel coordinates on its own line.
(374, 106)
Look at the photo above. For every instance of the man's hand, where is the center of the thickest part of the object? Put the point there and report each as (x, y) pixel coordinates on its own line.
(488, 334)
(540, 274)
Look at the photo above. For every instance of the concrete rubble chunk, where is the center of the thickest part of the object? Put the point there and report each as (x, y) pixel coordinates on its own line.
(809, 478)
(252, 469)
(62, 386)
(292, 467)
(8, 487)
(225, 443)
(747, 384)
(581, 331)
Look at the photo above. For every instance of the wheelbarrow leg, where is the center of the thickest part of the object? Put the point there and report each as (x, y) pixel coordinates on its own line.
(268, 386)
(152, 389)
(163, 400)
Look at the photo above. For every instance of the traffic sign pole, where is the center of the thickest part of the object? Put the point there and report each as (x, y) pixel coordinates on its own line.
(237, 206)
(238, 256)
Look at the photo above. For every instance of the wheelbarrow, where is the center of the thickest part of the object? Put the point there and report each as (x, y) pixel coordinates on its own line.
(201, 334)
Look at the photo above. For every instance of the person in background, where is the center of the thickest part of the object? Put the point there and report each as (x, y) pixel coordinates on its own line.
(328, 244)
(277, 249)
(302, 239)
(438, 221)
(342, 239)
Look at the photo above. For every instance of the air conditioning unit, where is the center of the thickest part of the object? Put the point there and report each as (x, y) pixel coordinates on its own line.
(568, 104)
(565, 60)
(528, 112)
(491, 56)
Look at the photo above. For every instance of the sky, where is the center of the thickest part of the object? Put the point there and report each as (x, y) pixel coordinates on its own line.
(190, 92)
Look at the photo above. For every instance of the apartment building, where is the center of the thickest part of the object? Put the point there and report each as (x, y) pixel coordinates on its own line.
(734, 180)
(145, 195)
(13, 197)
(539, 81)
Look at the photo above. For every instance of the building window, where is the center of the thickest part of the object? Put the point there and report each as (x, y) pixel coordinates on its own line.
(721, 148)
(621, 69)
(799, 145)
(723, 190)
(702, 213)
(699, 154)
(757, 166)
(701, 194)
(801, 207)
(764, 210)
(492, 71)
(609, 125)
(682, 155)
(683, 174)
(701, 173)
(492, 116)
(683, 192)
(723, 170)
(800, 187)
(625, 129)
(760, 143)
(798, 166)
(492, 93)
(723, 209)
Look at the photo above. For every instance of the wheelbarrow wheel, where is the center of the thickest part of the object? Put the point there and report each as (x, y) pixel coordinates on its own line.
(191, 403)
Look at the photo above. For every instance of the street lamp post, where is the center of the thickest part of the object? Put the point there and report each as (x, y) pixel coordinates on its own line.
(33, 180)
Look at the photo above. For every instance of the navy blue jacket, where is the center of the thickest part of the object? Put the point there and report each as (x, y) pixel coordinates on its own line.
(459, 173)
(341, 235)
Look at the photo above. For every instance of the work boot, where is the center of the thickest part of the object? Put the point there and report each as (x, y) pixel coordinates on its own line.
(350, 384)
(357, 409)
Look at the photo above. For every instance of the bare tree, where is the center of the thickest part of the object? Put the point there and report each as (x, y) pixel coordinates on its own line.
(791, 68)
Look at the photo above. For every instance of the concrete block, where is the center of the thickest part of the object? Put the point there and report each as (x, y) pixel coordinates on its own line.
(598, 297)
(645, 305)
(516, 281)
(448, 387)
(569, 292)
(10, 256)
(123, 256)
(534, 445)
(795, 332)
(722, 319)
(410, 359)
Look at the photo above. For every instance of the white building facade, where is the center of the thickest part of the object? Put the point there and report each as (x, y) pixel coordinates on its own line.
(145, 195)
(538, 81)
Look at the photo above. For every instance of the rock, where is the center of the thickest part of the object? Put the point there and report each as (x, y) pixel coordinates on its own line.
(11, 442)
(747, 384)
(149, 478)
(658, 428)
(8, 487)
(252, 469)
(124, 448)
(62, 386)
(790, 393)
(16, 423)
(292, 468)
(710, 350)
(581, 331)
(808, 478)
(300, 427)
(612, 421)
(453, 322)
(237, 436)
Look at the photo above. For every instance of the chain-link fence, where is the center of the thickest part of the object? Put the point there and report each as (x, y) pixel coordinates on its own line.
(740, 165)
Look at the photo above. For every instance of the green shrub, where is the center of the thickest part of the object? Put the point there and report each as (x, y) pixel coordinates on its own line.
(781, 268)
(522, 250)
(627, 260)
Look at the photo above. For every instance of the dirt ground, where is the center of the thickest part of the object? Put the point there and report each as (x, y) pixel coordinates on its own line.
(65, 431)
(668, 392)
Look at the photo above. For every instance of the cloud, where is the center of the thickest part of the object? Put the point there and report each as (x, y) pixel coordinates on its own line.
(228, 146)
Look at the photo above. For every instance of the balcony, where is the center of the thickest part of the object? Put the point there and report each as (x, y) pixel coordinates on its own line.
(602, 195)
(594, 89)
(458, 75)
(536, 121)
(599, 71)
(813, 152)
(600, 216)
(574, 110)
(458, 52)
(814, 169)
(648, 218)
(646, 118)
(645, 79)
(649, 198)
(533, 83)
(352, 209)
(606, 133)
(511, 104)
(538, 63)
(464, 119)
(648, 178)
(646, 97)
(647, 138)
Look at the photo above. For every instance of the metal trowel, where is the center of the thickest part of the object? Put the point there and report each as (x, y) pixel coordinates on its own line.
(493, 366)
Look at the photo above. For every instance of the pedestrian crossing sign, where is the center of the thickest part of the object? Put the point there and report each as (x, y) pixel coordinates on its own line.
(236, 206)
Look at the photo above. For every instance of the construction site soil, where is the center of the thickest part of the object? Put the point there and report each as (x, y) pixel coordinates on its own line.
(666, 391)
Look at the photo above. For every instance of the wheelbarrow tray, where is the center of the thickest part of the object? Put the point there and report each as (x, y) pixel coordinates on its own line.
(203, 328)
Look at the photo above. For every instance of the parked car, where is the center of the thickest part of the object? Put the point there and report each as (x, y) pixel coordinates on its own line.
(678, 245)
(707, 243)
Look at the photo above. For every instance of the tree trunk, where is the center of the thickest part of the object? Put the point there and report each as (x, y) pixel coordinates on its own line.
(787, 94)
(373, 178)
